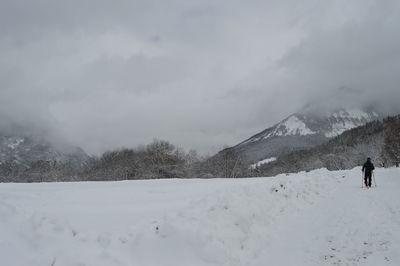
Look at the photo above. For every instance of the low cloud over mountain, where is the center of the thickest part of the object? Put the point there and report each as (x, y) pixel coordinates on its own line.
(103, 75)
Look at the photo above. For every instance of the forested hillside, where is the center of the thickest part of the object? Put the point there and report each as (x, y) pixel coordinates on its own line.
(379, 140)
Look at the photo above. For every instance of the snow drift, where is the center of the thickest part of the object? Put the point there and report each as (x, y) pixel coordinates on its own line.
(314, 218)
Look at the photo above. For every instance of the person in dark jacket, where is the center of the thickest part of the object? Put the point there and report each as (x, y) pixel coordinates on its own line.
(367, 168)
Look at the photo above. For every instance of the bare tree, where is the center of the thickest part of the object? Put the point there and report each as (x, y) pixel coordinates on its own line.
(227, 164)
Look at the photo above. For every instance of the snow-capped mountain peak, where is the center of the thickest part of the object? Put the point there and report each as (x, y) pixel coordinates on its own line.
(293, 125)
(343, 120)
(300, 131)
(330, 125)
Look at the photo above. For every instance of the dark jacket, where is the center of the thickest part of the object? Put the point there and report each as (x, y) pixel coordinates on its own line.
(368, 167)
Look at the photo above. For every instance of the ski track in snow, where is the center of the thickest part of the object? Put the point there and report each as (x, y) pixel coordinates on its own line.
(315, 218)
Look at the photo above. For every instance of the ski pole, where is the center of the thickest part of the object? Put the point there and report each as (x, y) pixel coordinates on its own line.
(362, 179)
(373, 177)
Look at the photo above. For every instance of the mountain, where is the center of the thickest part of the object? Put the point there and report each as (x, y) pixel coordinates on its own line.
(379, 140)
(301, 130)
(22, 156)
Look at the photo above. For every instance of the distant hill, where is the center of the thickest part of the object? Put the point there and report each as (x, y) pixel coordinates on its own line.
(379, 140)
(25, 158)
(299, 131)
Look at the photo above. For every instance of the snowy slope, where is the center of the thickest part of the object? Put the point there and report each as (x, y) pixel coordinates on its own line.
(305, 124)
(24, 150)
(299, 131)
(315, 218)
(262, 162)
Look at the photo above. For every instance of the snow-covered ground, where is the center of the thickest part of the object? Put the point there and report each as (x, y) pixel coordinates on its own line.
(265, 161)
(315, 218)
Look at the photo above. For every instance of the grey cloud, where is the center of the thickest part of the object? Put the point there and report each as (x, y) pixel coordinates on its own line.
(137, 73)
(352, 64)
(201, 74)
(362, 57)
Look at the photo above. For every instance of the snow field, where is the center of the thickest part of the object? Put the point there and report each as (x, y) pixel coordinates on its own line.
(265, 161)
(315, 218)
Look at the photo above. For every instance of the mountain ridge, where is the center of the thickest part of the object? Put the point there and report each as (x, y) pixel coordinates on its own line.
(376, 139)
(23, 155)
(301, 130)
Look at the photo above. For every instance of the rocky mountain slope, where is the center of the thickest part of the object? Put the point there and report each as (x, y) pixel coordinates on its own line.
(22, 156)
(378, 140)
(301, 130)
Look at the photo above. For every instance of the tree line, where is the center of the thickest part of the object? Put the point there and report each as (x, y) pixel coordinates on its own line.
(379, 140)
(161, 159)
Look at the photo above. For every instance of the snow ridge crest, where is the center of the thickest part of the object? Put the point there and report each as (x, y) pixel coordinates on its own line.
(329, 126)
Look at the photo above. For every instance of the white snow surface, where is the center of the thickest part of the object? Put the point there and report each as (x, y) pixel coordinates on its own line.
(15, 143)
(352, 118)
(339, 128)
(289, 127)
(355, 114)
(314, 218)
(265, 161)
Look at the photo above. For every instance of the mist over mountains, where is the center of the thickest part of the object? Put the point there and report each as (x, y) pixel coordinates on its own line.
(103, 76)
(33, 158)
(111, 106)
(202, 75)
(277, 149)
(30, 158)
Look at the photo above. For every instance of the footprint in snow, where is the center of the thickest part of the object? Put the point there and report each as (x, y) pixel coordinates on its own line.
(104, 241)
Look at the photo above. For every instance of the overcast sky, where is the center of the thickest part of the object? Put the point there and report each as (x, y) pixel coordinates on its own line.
(106, 74)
